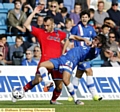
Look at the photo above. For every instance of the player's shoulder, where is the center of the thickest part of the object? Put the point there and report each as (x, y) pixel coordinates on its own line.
(89, 26)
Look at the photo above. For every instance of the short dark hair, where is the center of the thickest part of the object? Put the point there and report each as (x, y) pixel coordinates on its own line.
(111, 32)
(91, 10)
(48, 18)
(104, 26)
(17, 1)
(3, 36)
(85, 12)
(63, 10)
(107, 18)
(77, 4)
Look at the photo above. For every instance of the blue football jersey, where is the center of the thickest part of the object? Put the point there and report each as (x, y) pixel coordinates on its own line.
(82, 31)
(73, 57)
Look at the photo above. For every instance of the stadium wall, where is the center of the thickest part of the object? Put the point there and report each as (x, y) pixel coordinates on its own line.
(107, 83)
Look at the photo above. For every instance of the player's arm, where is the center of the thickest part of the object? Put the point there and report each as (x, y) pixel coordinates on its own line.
(75, 37)
(29, 19)
(65, 46)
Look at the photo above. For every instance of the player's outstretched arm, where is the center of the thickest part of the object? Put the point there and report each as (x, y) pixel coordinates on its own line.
(29, 19)
(75, 37)
(65, 46)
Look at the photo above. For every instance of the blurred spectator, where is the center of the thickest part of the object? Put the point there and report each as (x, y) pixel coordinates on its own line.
(84, 4)
(68, 26)
(4, 48)
(32, 3)
(116, 29)
(37, 54)
(75, 16)
(114, 13)
(112, 38)
(1, 59)
(92, 4)
(54, 13)
(3, 40)
(92, 20)
(27, 9)
(111, 43)
(114, 60)
(16, 47)
(67, 29)
(64, 13)
(29, 61)
(105, 30)
(119, 46)
(16, 19)
(100, 15)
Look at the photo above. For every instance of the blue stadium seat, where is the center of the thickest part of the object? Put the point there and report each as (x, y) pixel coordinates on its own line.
(3, 11)
(3, 18)
(3, 27)
(69, 4)
(1, 6)
(9, 39)
(8, 6)
(97, 62)
(2, 31)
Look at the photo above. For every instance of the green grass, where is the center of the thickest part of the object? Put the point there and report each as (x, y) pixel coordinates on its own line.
(90, 106)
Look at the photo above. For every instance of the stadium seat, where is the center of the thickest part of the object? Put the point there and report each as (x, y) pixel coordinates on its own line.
(9, 39)
(3, 11)
(97, 62)
(8, 6)
(3, 27)
(69, 4)
(2, 31)
(1, 6)
(3, 17)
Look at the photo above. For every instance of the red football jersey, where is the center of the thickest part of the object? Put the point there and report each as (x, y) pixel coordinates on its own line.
(50, 42)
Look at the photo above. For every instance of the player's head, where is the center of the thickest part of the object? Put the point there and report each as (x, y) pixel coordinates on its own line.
(48, 24)
(85, 16)
(99, 41)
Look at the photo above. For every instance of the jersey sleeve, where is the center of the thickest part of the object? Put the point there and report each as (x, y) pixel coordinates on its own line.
(35, 31)
(62, 35)
(74, 30)
(93, 33)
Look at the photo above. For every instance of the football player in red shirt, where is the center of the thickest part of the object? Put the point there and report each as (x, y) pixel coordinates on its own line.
(50, 44)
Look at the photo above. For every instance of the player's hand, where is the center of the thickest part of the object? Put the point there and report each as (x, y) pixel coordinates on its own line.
(37, 9)
(87, 42)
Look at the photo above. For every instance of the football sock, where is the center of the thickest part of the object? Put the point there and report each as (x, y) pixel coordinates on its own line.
(56, 94)
(91, 85)
(28, 86)
(44, 74)
(75, 83)
(71, 91)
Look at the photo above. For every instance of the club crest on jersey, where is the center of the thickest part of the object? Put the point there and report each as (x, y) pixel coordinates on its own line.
(53, 38)
(90, 32)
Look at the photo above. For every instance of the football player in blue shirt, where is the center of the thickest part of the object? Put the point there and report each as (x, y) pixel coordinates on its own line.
(84, 30)
(67, 62)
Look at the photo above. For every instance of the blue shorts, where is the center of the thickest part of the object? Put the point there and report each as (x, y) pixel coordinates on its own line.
(62, 65)
(84, 66)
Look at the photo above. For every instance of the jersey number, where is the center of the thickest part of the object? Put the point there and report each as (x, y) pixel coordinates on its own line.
(69, 63)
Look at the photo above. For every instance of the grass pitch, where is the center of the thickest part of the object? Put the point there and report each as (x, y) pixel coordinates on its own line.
(90, 106)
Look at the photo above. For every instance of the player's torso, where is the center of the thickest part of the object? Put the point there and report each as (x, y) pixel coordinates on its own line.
(84, 32)
(50, 44)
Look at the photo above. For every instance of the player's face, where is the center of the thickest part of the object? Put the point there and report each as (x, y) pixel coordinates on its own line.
(96, 43)
(49, 26)
(85, 19)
